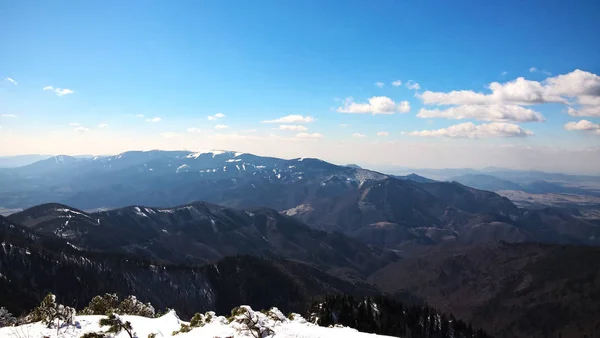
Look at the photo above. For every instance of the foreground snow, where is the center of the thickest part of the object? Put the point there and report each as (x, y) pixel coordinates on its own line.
(274, 321)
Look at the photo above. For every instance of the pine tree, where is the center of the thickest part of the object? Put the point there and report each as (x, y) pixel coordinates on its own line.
(115, 325)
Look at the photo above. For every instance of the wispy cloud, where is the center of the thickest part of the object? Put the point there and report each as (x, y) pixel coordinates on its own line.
(8, 115)
(397, 83)
(343, 125)
(376, 105)
(194, 130)
(216, 117)
(383, 133)
(359, 135)
(74, 124)
(584, 111)
(154, 119)
(497, 112)
(59, 91)
(291, 119)
(412, 85)
(309, 135)
(169, 135)
(11, 81)
(221, 126)
(537, 70)
(380, 84)
(471, 130)
(103, 125)
(294, 127)
(140, 115)
(504, 73)
(81, 129)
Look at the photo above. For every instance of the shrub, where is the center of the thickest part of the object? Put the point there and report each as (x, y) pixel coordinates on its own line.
(94, 335)
(6, 318)
(102, 305)
(49, 311)
(198, 320)
(116, 325)
(132, 306)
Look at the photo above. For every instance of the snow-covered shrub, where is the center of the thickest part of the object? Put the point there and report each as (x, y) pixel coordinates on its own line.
(250, 322)
(198, 320)
(6, 318)
(132, 306)
(93, 335)
(102, 305)
(49, 312)
(116, 325)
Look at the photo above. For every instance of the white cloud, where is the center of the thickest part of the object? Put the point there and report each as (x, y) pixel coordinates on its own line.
(140, 115)
(383, 133)
(8, 115)
(403, 107)
(291, 119)
(410, 84)
(380, 84)
(11, 81)
(584, 111)
(583, 125)
(343, 125)
(470, 130)
(194, 130)
(74, 124)
(81, 129)
(221, 126)
(376, 105)
(59, 91)
(583, 85)
(533, 70)
(154, 119)
(294, 127)
(504, 73)
(216, 117)
(63, 91)
(169, 135)
(397, 83)
(309, 135)
(497, 112)
(359, 135)
(103, 125)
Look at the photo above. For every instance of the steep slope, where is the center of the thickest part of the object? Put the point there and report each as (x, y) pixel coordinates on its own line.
(402, 214)
(511, 290)
(32, 265)
(201, 232)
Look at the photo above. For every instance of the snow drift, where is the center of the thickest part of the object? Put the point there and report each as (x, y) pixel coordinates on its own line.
(244, 322)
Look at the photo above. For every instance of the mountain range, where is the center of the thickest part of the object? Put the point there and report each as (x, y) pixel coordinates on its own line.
(264, 231)
(390, 211)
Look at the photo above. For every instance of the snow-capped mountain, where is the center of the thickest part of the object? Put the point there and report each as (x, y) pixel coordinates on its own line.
(377, 208)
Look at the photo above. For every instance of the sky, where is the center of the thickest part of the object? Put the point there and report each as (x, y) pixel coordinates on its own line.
(442, 84)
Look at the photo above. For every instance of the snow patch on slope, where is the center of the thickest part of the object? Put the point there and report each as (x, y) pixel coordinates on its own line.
(272, 324)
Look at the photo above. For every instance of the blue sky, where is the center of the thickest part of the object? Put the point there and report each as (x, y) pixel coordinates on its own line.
(184, 61)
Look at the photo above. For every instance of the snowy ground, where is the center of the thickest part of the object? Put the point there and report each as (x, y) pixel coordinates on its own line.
(165, 325)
